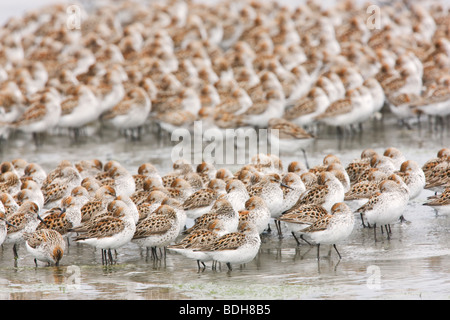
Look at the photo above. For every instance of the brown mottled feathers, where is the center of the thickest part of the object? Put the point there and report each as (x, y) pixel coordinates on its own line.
(201, 198)
(337, 108)
(363, 189)
(17, 222)
(308, 213)
(319, 225)
(314, 195)
(54, 192)
(121, 108)
(152, 225)
(90, 209)
(68, 105)
(369, 204)
(56, 221)
(230, 241)
(355, 169)
(199, 239)
(303, 107)
(32, 114)
(203, 222)
(35, 239)
(107, 226)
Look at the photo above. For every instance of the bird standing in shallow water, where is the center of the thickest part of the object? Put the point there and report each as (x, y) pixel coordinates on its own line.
(332, 228)
(111, 231)
(386, 206)
(235, 248)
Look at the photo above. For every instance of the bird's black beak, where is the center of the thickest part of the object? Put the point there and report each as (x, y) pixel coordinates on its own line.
(63, 210)
(42, 220)
(286, 186)
(8, 223)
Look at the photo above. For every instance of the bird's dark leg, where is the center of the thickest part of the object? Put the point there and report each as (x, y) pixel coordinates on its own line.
(306, 158)
(375, 232)
(362, 220)
(16, 256)
(111, 259)
(337, 251)
(293, 234)
(340, 132)
(318, 251)
(301, 237)
(278, 225)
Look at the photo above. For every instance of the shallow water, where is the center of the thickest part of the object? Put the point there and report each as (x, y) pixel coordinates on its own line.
(412, 265)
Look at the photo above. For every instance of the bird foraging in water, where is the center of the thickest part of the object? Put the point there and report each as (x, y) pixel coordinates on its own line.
(45, 245)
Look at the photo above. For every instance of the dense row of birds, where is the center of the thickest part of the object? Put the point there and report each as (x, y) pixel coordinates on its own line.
(207, 213)
(231, 64)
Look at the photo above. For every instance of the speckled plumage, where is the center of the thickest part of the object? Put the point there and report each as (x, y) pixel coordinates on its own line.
(236, 247)
(110, 231)
(45, 245)
(387, 206)
(190, 244)
(157, 230)
(441, 202)
(222, 217)
(200, 202)
(332, 228)
(326, 193)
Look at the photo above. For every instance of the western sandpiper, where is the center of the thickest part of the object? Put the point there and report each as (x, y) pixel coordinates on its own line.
(157, 230)
(45, 245)
(109, 232)
(332, 228)
(190, 245)
(386, 206)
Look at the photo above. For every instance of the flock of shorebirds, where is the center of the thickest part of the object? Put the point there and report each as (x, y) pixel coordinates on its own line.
(206, 213)
(231, 64)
